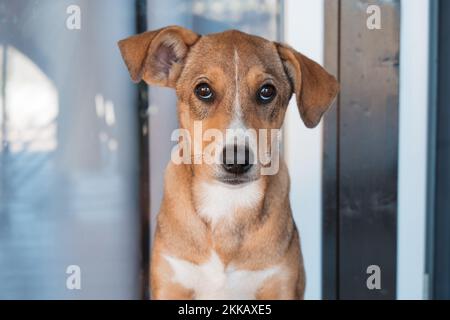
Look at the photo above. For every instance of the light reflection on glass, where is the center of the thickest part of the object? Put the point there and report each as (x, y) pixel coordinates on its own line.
(2, 95)
(31, 101)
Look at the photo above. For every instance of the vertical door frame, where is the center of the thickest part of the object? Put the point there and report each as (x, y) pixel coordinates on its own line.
(428, 289)
(303, 28)
(330, 223)
(413, 149)
(439, 263)
(144, 163)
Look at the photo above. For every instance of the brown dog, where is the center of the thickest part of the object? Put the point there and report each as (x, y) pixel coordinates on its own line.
(225, 230)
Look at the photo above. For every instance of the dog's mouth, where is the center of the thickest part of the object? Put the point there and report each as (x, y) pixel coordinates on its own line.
(236, 180)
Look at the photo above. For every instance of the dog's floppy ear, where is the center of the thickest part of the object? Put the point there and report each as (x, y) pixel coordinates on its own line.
(314, 87)
(157, 57)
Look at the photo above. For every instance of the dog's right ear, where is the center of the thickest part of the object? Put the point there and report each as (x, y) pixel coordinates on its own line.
(157, 57)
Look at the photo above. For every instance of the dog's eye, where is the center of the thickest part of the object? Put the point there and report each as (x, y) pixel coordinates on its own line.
(266, 93)
(204, 92)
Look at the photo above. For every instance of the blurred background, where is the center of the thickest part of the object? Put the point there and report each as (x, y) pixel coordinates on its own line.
(83, 149)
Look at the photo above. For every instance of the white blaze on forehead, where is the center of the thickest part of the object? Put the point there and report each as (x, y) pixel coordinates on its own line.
(237, 104)
(237, 131)
(237, 121)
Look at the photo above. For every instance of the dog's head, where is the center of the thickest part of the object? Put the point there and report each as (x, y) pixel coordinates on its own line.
(236, 86)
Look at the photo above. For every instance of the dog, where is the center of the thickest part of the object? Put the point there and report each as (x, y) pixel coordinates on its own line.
(224, 230)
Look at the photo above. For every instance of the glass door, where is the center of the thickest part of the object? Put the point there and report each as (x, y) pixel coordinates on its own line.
(69, 170)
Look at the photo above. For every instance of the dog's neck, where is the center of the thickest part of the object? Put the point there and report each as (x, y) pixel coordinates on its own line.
(220, 204)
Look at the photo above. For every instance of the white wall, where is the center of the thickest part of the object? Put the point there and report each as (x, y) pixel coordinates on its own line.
(304, 30)
(412, 177)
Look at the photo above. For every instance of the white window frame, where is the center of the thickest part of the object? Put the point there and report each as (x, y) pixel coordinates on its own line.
(304, 31)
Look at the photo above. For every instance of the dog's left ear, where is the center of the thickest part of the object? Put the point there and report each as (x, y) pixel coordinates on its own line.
(314, 87)
(157, 57)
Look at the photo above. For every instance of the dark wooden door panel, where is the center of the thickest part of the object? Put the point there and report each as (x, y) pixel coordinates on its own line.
(364, 149)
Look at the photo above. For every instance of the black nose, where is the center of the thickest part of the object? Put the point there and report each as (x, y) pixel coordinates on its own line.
(236, 160)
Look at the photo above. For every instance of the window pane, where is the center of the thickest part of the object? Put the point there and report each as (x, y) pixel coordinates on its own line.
(68, 157)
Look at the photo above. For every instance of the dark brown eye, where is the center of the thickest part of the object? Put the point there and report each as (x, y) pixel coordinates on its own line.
(204, 92)
(266, 93)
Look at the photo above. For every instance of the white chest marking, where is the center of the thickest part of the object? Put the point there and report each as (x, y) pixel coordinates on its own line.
(211, 280)
(216, 201)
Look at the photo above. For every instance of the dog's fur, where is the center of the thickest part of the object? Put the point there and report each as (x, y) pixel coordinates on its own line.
(214, 240)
